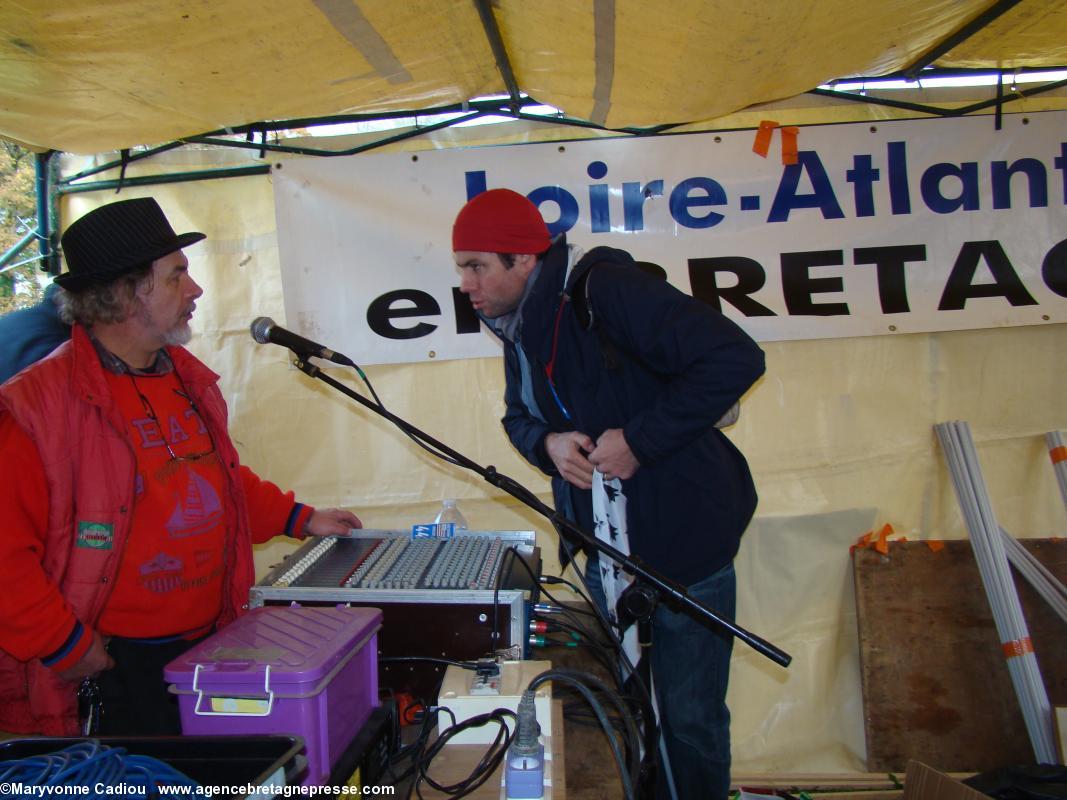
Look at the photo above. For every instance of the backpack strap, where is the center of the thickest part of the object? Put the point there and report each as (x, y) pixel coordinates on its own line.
(611, 355)
(580, 300)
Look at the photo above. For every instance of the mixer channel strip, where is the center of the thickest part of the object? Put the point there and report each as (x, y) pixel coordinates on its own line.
(307, 561)
(462, 562)
(465, 562)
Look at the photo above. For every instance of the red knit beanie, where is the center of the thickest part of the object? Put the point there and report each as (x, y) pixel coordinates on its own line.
(500, 221)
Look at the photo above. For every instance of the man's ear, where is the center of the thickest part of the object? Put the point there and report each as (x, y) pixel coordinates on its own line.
(525, 262)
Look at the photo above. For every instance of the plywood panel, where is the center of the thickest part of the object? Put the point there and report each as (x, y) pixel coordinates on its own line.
(935, 685)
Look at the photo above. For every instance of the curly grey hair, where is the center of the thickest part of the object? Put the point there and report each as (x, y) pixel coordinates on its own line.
(109, 302)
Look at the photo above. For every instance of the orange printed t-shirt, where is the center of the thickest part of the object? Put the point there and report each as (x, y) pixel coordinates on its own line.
(170, 578)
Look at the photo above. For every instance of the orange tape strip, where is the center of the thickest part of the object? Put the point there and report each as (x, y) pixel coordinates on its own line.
(935, 545)
(789, 145)
(1019, 647)
(1058, 454)
(882, 545)
(762, 143)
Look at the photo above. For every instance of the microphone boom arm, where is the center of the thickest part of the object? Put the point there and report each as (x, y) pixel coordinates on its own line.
(634, 566)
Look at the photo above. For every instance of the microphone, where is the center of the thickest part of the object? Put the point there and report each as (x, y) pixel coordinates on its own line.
(265, 330)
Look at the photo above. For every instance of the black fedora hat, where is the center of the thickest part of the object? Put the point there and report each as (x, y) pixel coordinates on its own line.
(115, 239)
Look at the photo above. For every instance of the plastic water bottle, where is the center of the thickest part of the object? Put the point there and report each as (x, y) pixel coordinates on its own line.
(449, 513)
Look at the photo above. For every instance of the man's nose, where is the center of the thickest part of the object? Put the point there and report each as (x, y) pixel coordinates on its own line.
(193, 289)
(466, 282)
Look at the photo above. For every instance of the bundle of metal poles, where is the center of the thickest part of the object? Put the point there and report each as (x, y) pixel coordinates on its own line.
(1039, 576)
(989, 552)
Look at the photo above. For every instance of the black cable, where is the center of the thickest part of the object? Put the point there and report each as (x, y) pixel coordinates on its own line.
(573, 587)
(547, 594)
(463, 664)
(575, 680)
(603, 653)
(627, 671)
(566, 622)
(623, 671)
(413, 750)
(601, 617)
(486, 765)
(632, 734)
(495, 633)
(643, 699)
(388, 415)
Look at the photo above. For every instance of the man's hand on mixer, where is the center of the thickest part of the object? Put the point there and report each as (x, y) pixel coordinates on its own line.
(331, 522)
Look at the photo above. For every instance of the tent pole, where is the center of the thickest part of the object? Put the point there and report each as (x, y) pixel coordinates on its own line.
(43, 189)
(178, 177)
(500, 53)
(967, 31)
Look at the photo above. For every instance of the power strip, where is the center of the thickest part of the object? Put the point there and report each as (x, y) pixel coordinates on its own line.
(467, 694)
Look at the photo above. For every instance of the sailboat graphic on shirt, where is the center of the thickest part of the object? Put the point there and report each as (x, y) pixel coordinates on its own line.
(198, 511)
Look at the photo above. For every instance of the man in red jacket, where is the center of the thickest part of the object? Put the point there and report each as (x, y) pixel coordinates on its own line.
(127, 518)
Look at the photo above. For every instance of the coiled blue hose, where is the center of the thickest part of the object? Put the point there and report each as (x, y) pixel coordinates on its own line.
(92, 765)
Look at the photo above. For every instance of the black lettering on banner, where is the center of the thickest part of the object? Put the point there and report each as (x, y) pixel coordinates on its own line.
(892, 282)
(960, 286)
(798, 285)
(1054, 268)
(704, 282)
(381, 313)
(466, 320)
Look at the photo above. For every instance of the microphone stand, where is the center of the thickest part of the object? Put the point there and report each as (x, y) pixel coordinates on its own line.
(664, 588)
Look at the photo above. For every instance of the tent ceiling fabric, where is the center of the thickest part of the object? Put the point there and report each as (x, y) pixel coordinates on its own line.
(95, 75)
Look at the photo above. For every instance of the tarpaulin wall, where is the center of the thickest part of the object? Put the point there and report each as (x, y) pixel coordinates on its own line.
(838, 433)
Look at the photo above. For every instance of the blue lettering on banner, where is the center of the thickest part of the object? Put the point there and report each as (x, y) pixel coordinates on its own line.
(944, 188)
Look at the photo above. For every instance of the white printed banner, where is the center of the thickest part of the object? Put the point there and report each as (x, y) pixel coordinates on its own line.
(888, 228)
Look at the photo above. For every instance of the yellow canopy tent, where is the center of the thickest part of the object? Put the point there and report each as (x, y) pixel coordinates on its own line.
(98, 75)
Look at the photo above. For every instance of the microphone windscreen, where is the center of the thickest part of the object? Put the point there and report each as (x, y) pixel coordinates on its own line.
(261, 329)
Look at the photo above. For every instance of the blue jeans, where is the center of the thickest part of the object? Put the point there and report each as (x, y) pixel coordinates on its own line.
(690, 663)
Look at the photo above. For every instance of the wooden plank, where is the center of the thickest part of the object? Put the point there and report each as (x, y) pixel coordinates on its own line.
(935, 684)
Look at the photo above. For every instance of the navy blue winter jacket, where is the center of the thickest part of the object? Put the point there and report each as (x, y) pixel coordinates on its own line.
(29, 334)
(672, 366)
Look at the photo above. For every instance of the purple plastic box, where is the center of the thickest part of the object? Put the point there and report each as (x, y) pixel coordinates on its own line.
(306, 671)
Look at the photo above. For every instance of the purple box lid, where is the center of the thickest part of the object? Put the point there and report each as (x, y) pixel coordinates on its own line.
(301, 644)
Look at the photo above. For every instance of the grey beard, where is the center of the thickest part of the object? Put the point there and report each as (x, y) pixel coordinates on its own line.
(178, 335)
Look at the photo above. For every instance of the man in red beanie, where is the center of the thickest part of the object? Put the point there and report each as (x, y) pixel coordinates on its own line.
(128, 519)
(615, 383)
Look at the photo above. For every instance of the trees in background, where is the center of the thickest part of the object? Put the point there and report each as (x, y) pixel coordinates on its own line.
(19, 286)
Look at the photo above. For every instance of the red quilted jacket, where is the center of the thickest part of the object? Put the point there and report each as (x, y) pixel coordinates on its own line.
(64, 406)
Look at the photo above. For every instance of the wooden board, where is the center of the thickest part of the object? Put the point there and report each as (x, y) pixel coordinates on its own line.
(935, 684)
